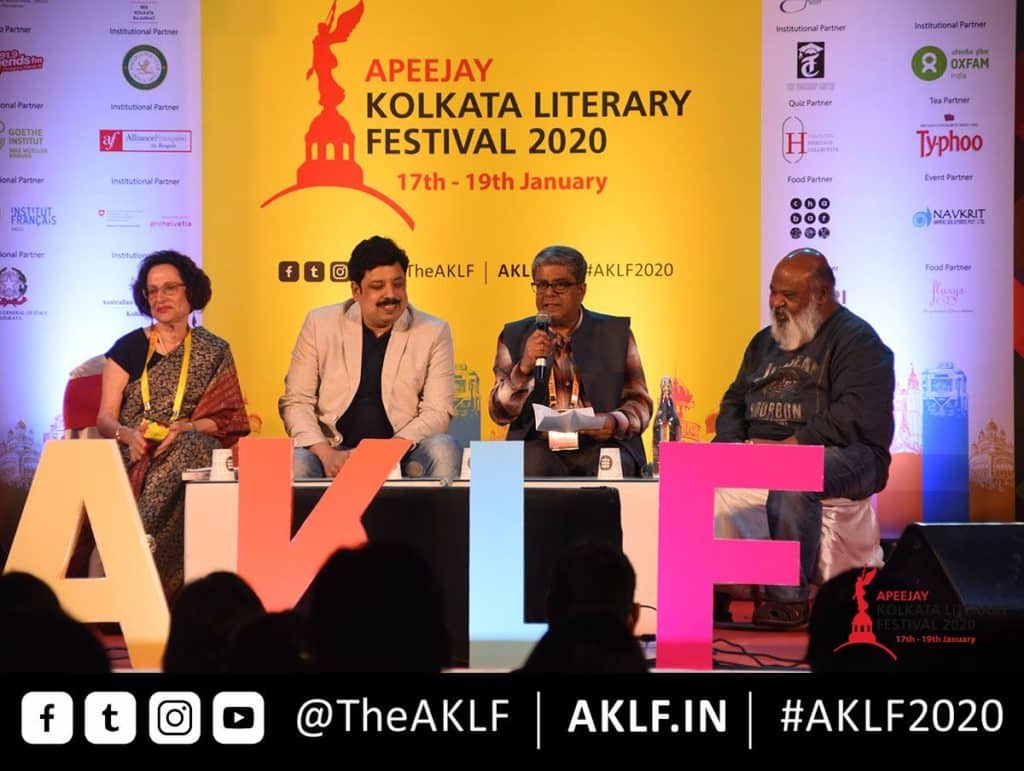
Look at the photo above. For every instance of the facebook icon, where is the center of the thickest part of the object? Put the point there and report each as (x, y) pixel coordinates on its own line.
(287, 270)
(47, 717)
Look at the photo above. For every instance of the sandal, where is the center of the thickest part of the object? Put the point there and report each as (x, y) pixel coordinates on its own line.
(781, 615)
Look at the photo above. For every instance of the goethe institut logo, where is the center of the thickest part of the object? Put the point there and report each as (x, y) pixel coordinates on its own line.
(330, 144)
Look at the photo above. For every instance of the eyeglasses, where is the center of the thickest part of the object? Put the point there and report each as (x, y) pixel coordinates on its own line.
(559, 287)
(166, 289)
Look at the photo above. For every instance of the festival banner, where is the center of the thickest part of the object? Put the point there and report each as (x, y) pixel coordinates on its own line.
(474, 137)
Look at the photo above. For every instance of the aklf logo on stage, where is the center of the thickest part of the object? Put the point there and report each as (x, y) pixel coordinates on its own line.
(330, 144)
(862, 629)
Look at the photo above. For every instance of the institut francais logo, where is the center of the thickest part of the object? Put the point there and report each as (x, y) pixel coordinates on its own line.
(144, 67)
(330, 143)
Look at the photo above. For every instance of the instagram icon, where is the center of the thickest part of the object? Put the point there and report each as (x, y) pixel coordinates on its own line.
(174, 717)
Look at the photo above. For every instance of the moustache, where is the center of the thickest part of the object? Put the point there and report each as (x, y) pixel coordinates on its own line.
(387, 303)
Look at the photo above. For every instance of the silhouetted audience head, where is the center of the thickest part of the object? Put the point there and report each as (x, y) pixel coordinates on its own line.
(206, 616)
(592, 642)
(592, 577)
(23, 591)
(36, 635)
(275, 642)
(378, 608)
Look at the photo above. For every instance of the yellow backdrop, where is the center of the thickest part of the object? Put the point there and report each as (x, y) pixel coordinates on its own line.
(665, 100)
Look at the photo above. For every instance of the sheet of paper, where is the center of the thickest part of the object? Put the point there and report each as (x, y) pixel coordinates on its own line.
(579, 419)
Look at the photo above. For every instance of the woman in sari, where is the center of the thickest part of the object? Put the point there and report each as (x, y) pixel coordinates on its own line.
(170, 396)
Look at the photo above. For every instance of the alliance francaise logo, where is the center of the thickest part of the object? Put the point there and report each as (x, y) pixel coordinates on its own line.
(147, 141)
(330, 143)
(144, 67)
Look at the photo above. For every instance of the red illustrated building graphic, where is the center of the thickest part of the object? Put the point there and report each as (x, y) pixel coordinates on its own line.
(330, 144)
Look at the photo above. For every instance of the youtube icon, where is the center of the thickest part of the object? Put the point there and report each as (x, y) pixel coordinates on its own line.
(238, 717)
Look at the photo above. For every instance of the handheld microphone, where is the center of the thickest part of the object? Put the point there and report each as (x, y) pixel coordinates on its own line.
(540, 365)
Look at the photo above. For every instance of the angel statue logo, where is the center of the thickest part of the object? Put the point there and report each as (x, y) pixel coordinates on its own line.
(330, 144)
(862, 631)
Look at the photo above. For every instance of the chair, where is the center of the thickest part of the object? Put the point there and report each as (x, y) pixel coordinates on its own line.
(81, 405)
(82, 399)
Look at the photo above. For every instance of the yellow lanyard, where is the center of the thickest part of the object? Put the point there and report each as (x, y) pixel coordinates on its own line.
(179, 395)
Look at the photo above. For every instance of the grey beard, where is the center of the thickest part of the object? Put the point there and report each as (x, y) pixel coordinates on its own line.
(799, 330)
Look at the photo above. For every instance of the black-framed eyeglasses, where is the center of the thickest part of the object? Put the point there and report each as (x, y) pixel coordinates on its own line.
(559, 287)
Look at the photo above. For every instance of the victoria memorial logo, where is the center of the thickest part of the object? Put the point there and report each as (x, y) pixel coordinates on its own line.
(330, 144)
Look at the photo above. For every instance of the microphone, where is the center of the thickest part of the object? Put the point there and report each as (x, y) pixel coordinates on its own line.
(540, 365)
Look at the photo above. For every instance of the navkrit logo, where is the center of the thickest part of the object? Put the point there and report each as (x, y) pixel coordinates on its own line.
(144, 67)
(810, 60)
(931, 63)
(944, 216)
(149, 141)
(795, 6)
(950, 142)
(13, 60)
(947, 298)
(22, 142)
(810, 217)
(797, 141)
(32, 216)
(329, 141)
(13, 286)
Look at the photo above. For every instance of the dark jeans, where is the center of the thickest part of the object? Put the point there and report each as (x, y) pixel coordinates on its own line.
(850, 472)
(540, 461)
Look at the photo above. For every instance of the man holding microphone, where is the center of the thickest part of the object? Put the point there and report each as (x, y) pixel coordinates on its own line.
(570, 357)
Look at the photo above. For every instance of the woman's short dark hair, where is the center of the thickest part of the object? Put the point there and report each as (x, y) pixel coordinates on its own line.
(197, 283)
(375, 252)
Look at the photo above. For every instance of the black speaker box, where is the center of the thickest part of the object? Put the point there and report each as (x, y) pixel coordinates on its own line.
(974, 576)
(979, 566)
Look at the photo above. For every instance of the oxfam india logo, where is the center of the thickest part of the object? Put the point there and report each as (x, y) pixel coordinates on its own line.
(929, 63)
(144, 67)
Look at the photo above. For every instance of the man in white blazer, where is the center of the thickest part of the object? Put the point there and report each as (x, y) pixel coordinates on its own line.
(372, 367)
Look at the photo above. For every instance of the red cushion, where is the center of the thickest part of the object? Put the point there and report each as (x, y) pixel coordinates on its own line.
(82, 401)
